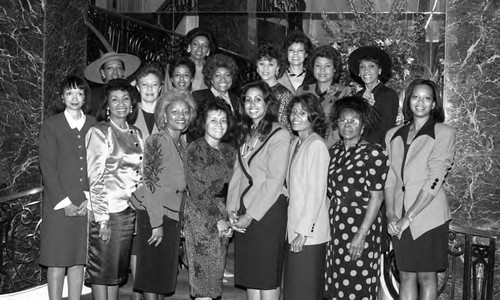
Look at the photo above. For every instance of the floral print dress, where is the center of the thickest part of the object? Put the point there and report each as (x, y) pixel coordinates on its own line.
(208, 170)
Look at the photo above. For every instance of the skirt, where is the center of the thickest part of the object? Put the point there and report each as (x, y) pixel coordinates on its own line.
(428, 253)
(157, 267)
(258, 253)
(304, 273)
(108, 262)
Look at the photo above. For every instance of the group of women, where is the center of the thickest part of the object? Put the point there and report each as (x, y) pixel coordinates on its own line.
(294, 168)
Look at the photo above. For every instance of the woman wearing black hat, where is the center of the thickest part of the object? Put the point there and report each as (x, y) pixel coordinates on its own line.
(371, 66)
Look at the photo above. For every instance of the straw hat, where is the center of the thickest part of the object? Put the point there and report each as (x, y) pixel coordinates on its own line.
(131, 63)
(381, 55)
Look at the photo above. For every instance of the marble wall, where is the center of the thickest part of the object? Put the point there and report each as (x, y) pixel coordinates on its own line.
(41, 41)
(472, 95)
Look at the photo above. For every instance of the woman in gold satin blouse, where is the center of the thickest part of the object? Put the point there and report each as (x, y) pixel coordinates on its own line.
(114, 163)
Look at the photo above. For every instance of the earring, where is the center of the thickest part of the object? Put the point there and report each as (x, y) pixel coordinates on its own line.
(107, 113)
(103, 77)
(131, 110)
(277, 72)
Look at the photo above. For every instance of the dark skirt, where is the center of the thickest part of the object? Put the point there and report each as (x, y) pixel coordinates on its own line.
(258, 253)
(428, 253)
(304, 273)
(63, 239)
(109, 261)
(157, 267)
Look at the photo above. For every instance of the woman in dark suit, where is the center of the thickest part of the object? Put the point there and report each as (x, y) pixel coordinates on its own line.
(308, 223)
(421, 153)
(219, 73)
(64, 171)
(256, 201)
(372, 67)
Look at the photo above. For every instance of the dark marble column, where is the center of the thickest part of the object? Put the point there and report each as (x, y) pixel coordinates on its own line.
(472, 94)
(41, 42)
(472, 99)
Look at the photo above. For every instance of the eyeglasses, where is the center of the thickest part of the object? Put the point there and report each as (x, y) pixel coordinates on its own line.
(352, 122)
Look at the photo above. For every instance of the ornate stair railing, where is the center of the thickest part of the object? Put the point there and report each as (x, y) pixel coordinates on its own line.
(20, 218)
(150, 43)
(471, 266)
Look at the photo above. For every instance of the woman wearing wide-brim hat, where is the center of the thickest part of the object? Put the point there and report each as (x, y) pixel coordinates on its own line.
(109, 66)
(371, 67)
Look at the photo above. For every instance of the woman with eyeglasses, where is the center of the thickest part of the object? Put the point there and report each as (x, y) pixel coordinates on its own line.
(356, 178)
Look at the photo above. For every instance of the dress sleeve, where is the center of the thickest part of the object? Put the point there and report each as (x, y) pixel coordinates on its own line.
(157, 155)
(440, 160)
(97, 153)
(316, 179)
(47, 157)
(377, 164)
(233, 196)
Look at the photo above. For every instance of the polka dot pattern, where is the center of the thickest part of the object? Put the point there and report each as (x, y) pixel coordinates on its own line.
(353, 173)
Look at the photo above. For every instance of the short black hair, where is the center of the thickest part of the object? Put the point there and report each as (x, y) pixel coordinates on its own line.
(212, 43)
(297, 36)
(118, 84)
(330, 53)
(73, 82)
(181, 61)
(214, 104)
(316, 115)
(437, 113)
(369, 116)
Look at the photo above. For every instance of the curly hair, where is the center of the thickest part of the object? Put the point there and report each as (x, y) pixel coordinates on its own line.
(330, 53)
(73, 82)
(315, 113)
(270, 52)
(213, 104)
(118, 84)
(296, 36)
(437, 113)
(170, 97)
(189, 37)
(149, 69)
(181, 61)
(369, 116)
(271, 115)
(216, 61)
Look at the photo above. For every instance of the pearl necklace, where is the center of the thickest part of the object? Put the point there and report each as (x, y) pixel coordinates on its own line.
(119, 128)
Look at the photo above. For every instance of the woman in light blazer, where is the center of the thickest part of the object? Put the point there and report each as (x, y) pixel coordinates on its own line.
(256, 201)
(308, 228)
(421, 155)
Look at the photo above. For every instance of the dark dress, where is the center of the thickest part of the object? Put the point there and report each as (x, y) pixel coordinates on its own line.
(352, 175)
(283, 95)
(64, 169)
(208, 170)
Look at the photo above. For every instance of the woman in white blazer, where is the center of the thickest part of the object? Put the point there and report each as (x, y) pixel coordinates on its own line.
(308, 230)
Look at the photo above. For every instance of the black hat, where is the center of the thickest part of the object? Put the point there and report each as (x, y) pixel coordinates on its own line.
(381, 55)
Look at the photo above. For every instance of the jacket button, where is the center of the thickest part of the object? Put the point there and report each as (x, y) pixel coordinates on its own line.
(403, 188)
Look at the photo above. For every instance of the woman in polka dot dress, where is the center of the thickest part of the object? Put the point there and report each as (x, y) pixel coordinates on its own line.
(355, 187)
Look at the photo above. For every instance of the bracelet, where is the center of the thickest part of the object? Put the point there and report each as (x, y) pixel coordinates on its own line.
(103, 224)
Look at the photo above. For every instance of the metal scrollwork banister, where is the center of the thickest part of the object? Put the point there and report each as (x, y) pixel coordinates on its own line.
(471, 265)
(20, 219)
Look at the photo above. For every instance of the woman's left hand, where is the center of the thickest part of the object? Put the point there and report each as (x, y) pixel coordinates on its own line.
(297, 243)
(156, 236)
(82, 209)
(402, 223)
(242, 223)
(357, 245)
